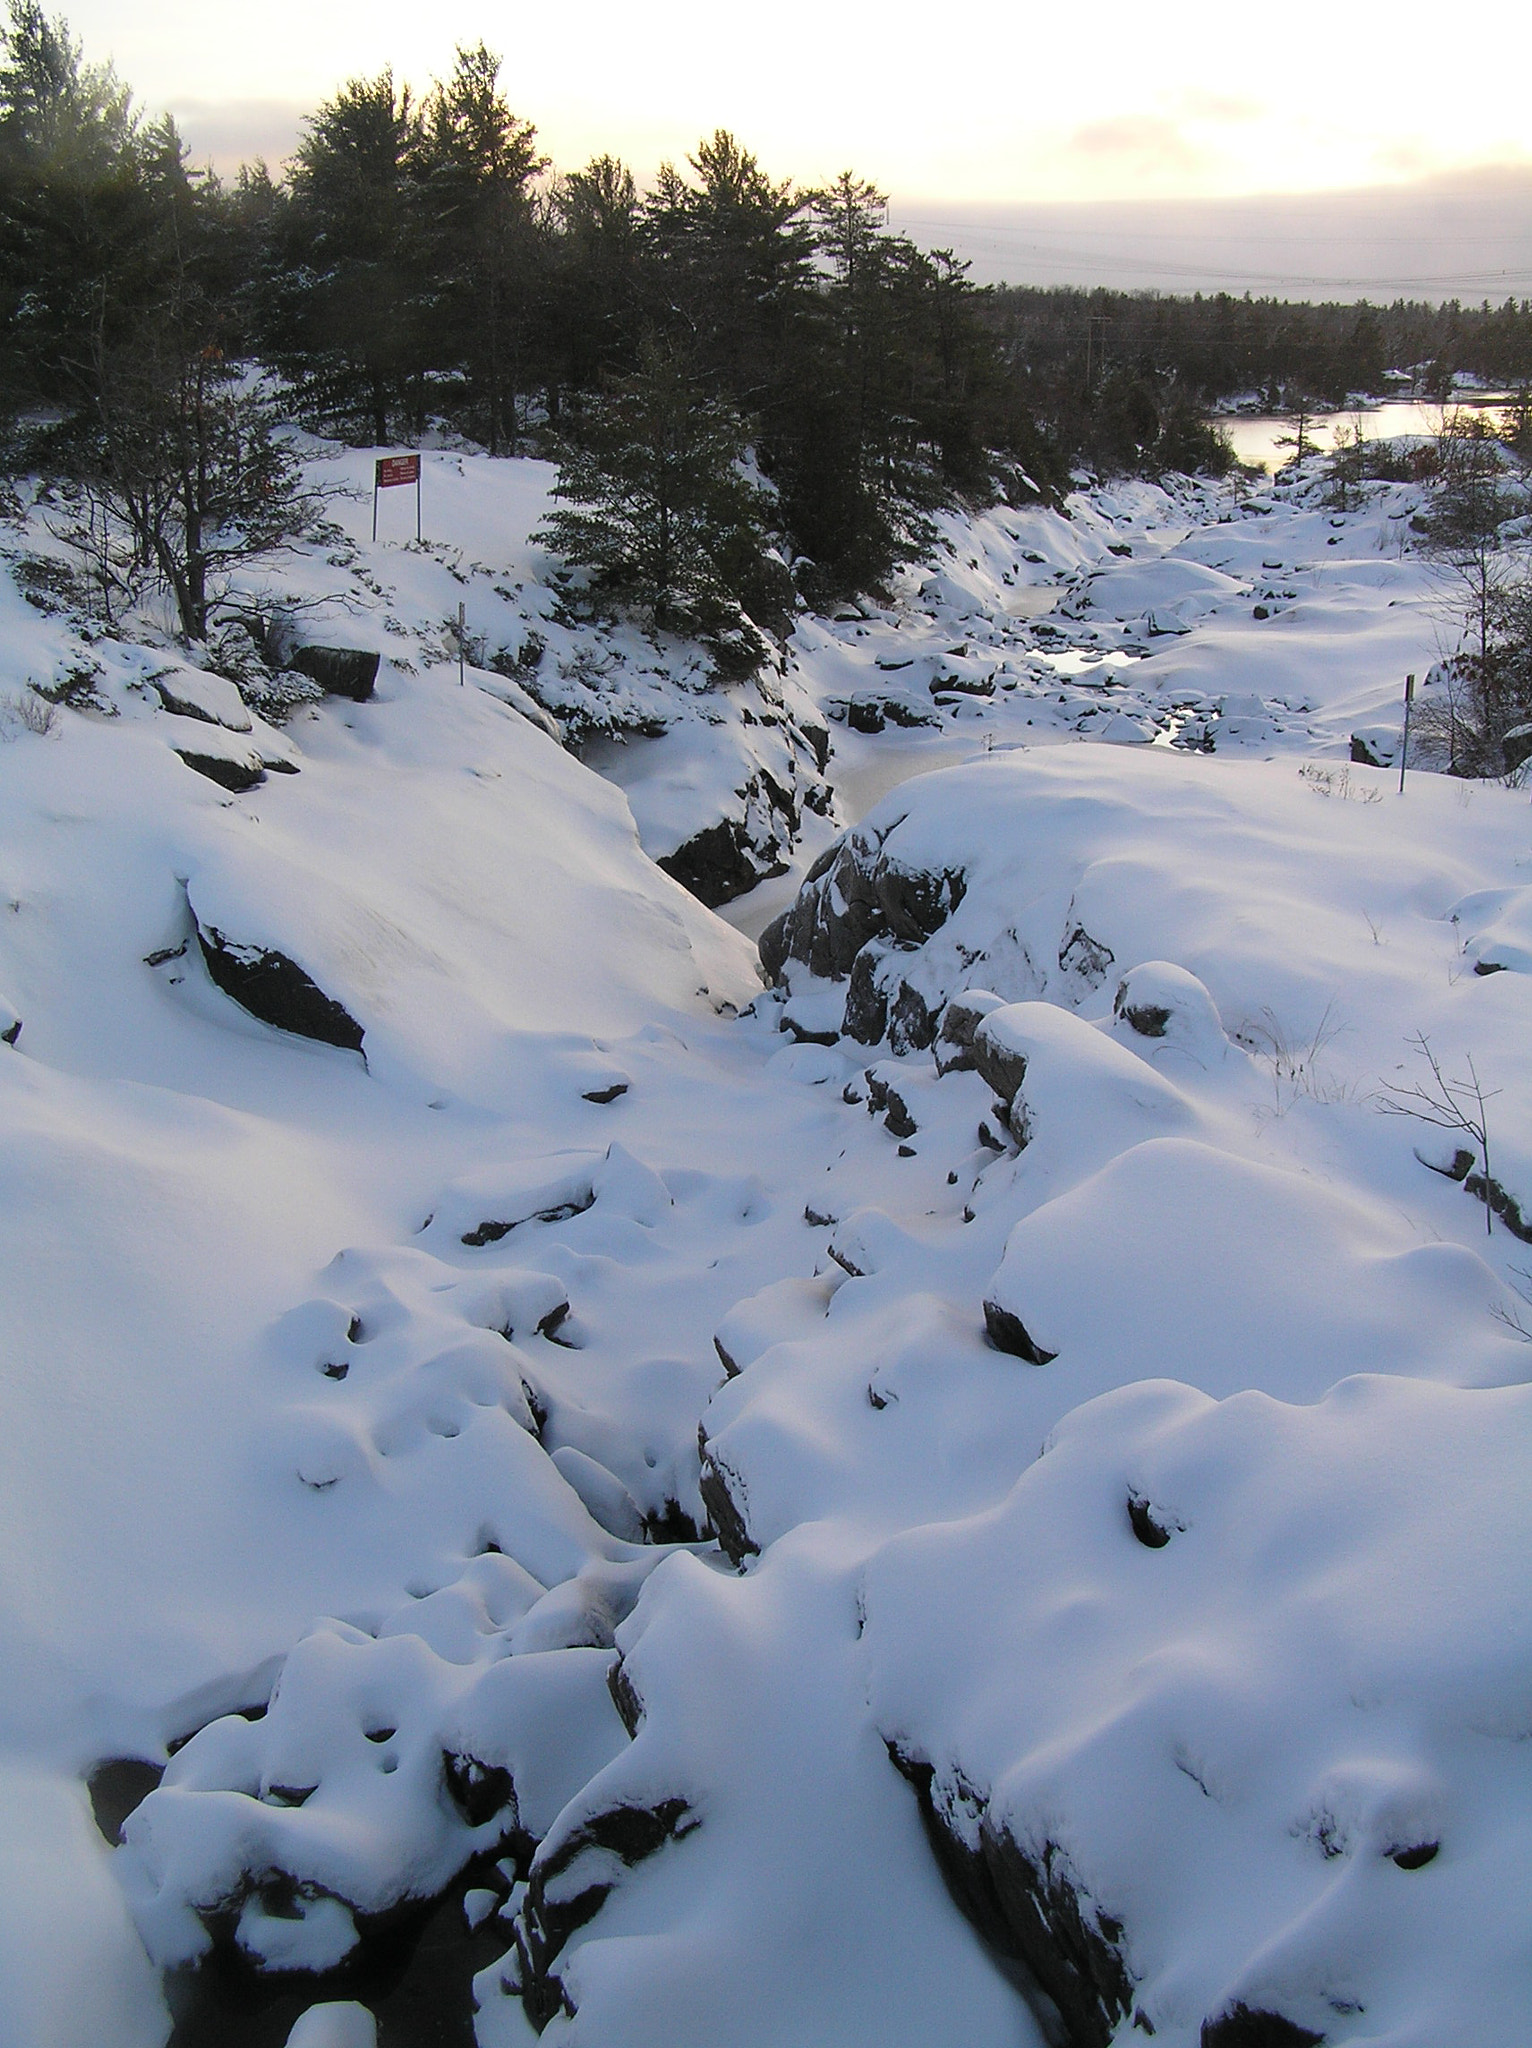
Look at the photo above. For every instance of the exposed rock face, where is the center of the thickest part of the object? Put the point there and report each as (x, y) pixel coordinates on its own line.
(960, 1020)
(727, 858)
(1007, 1332)
(718, 863)
(225, 769)
(276, 989)
(478, 1790)
(1517, 1220)
(870, 711)
(572, 1878)
(1000, 1060)
(1374, 749)
(962, 686)
(856, 912)
(1160, 1000)
(1085, 958)
(885, 1099)
(339, 671)
(1241, 2027)
(723, 1496)
(852, 894)
(1032, 1908)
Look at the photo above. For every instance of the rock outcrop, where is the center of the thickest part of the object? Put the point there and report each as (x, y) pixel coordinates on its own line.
(277, 990)
(339, 671)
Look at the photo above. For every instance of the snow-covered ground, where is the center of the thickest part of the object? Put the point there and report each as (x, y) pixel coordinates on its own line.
(976, 1494)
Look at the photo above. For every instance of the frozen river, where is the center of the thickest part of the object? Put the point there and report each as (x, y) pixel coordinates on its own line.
(1266, 441)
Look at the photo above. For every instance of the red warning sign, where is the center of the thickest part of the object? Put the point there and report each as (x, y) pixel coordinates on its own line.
(397, 469)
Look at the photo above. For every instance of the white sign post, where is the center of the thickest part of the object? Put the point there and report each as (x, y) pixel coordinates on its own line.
(1404, 743)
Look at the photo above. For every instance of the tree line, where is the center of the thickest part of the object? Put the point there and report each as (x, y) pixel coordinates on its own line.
(419, 263)
(1217, 346)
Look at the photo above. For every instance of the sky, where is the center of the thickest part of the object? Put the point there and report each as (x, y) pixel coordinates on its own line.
(999, 104)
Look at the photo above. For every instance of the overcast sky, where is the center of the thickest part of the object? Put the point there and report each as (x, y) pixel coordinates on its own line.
(997, 103)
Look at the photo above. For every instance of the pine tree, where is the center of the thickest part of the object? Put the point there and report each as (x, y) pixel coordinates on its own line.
(476, 163)
(350, 325)
(655, 504)
(73, 211)
(591, 310)
(731, 258)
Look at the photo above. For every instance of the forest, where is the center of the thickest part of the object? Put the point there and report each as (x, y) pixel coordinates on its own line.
(420, 265)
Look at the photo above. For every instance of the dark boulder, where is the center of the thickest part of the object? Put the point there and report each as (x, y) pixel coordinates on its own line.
(853, 895)
(339, 671)
(118, 1787)
(572, 1882)
(276, 989)
(478, 1790)
(625, 1697)
(1007, 1332)
(1495, 1195)
(1002, 1064)
(911, 1026)
(866, 1014)
(234, 772)
(962, 686)
(716, 864)
(884, 1098)
(818, 738)
(727, 859)
(773, 946)
(1243, 2027)
(722, 1493)
(1034, 1910)
(1152, 1530)
(961, 1018)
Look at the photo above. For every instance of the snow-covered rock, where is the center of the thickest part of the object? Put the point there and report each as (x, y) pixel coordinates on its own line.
(461, 1375)
(1278, 1626)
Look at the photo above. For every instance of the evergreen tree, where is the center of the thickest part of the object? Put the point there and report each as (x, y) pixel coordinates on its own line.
(593, 299)
(654, 501)
(731, 261)
(476, 162)
(73, 212)
(349, 322)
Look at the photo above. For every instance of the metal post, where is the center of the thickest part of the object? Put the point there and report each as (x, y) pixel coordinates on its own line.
(418, 467)
(461, 634)
(1404, 744)
(375, 501)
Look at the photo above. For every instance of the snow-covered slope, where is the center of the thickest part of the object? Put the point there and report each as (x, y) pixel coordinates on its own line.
(503, 1411)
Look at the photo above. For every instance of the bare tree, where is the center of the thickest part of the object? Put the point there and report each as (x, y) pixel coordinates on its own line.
(189, 472)
(1449, 1105)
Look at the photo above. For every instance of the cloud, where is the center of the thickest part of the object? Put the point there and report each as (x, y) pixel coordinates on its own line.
(1405, 159)
(227, 133)
(1223, 108)
(1140, 143)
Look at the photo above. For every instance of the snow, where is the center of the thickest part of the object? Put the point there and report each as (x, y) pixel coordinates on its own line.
(339, 2023)
(71, 1966)
(1316, 1689)
(370, 1415)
